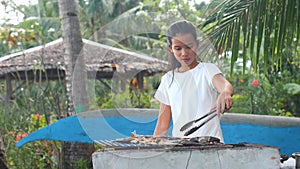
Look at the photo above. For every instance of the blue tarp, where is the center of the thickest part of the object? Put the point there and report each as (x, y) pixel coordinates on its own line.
(91, 129)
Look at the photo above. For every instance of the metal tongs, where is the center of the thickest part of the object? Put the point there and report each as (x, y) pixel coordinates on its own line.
(189, 124)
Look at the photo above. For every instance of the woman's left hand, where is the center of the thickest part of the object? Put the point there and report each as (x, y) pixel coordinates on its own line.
(224, 102)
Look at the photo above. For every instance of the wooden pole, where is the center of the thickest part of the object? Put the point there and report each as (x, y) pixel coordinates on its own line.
(140, 79)
(8, 90)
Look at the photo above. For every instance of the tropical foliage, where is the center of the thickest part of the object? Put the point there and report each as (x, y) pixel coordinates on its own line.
(261, 31)
(32, 107)
(257, 40)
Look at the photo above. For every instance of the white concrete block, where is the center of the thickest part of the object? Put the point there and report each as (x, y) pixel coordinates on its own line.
(194, 157)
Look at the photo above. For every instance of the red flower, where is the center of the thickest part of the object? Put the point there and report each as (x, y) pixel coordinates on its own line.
(255, 83)
(38, 116)
(24, 135)
(19, 136)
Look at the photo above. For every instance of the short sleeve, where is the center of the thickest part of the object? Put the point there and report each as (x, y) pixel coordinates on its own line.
(161, 93)
(212, 70)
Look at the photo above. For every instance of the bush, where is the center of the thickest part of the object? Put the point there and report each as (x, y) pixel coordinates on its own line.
(126, 99)
(260, 94)
(39, 154)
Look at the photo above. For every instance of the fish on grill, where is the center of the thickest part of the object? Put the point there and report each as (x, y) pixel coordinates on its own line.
(149, 140)
(164, 140)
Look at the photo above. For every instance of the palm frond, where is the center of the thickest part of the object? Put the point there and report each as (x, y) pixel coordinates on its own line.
(262, 31)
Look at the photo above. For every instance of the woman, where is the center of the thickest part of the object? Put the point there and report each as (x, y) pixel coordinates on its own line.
(191, 88)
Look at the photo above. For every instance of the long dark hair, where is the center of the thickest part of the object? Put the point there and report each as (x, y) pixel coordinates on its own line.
(179, 27)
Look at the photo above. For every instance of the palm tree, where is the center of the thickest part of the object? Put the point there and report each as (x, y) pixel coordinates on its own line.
(76, 78)
(263, 31)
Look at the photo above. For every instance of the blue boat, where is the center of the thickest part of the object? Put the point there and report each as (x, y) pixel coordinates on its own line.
(111, 124)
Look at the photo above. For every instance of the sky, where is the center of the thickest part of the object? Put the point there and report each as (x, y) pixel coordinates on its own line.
(9, 13)
(17, 17)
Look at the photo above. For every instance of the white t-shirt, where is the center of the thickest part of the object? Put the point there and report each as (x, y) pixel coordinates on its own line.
(191, 95)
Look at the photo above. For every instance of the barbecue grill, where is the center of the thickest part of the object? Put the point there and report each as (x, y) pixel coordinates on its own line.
(143, 152)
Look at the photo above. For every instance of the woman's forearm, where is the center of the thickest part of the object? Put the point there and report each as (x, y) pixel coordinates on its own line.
(225, 90)
(163, 121)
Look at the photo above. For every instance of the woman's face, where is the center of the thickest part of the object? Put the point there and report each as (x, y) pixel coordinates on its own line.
(184, 47)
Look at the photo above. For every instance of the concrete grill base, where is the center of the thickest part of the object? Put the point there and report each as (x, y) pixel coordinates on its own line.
(191, 157)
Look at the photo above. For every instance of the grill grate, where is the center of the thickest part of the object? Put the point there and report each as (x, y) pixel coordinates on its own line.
(149, 141)
(114, 143)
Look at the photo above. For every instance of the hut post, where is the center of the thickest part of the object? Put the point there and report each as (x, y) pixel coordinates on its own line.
(8, 89)
(123, 84)
(140, 79)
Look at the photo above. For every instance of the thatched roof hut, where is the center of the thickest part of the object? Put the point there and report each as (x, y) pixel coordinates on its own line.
(47, 63)
(102, 61)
